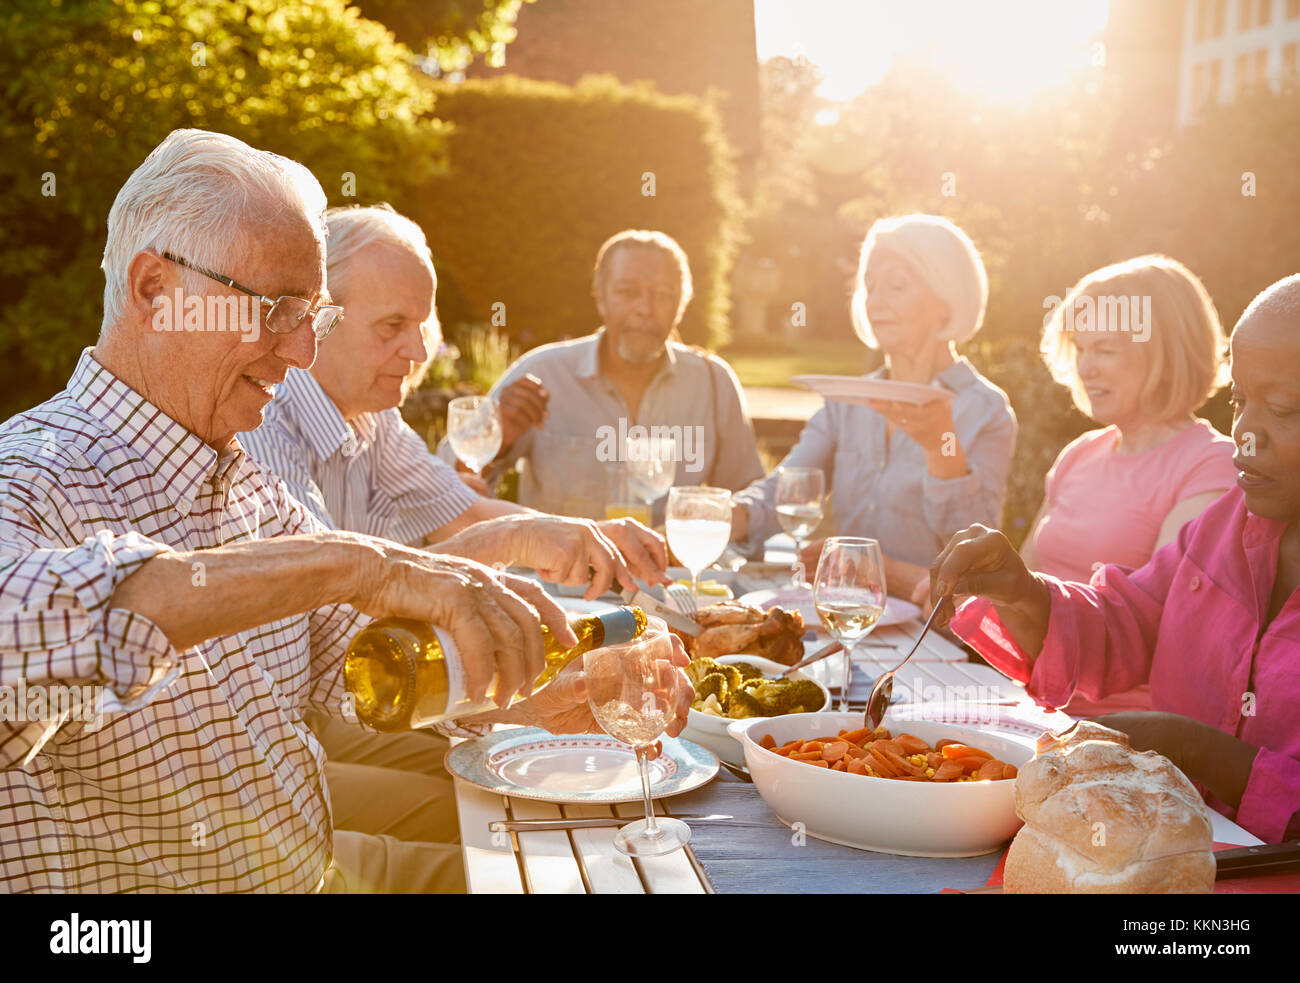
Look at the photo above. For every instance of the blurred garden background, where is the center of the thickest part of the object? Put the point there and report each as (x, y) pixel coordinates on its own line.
(522, 133)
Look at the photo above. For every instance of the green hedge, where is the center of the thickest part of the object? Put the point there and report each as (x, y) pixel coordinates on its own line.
(542, 173)
(92, 86)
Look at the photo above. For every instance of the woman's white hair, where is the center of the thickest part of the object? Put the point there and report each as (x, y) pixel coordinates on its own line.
(945, 259)
(354, 227)
(203, 196)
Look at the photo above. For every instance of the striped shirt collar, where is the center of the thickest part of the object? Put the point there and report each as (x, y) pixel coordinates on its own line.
(589, 355)
(319, 420)
(182, 461)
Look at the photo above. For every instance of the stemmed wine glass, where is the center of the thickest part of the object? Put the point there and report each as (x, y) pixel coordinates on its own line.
(651, 467)
(849, 594)
(630, 688)
(698, 525)
(799, 493)
(474, 430)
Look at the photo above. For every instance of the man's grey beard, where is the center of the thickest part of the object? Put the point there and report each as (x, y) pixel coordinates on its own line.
(626, 351)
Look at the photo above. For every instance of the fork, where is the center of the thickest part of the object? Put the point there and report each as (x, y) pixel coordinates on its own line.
(680, 597)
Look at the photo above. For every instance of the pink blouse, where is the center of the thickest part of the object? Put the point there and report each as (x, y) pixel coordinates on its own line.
(1191, 621)
(1104, 507)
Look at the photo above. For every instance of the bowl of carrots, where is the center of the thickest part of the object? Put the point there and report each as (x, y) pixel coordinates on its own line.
(917, 787)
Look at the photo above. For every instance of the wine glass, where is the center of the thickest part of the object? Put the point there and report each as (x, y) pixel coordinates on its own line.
(651, 466)
(698, 527)
(474, 430)
(799, 493)
(623, 499)
(849, 594)
(630, 688)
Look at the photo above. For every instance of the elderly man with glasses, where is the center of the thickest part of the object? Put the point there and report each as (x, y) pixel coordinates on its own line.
(337, 438)
(144, 555)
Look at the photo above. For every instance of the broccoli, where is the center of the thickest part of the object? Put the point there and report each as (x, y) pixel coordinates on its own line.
(743, 705)
(714, 683)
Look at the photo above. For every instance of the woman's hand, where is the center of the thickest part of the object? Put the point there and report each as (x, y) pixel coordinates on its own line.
(928, 424)
(981, 561)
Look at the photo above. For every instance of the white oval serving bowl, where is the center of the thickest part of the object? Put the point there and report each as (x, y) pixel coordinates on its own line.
(709, 731)
(919, 819)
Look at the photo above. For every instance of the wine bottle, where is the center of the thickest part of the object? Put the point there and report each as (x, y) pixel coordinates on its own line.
(403, 673)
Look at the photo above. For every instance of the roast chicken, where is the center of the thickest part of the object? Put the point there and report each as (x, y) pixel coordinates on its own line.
(732, 628)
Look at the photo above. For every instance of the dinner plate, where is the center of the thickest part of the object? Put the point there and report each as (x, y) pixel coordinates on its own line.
(897, 611)
(859, 390)
(530, 763)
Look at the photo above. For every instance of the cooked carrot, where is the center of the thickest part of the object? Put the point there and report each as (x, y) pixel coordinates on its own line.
(818, 745)
(951, 751)
(834, 752)
(768, 742)
(934, 759)
(940, 745)
(902, 764)
(838, 766)
(805, 755)
(1010, 771)
(856, 736)
(991, 770)
(818, 764)
(947, 771)
(881, 764)
(970, 764)
(911, 744)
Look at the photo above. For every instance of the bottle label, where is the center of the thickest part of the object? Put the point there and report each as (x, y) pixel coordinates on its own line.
(455, 674)
(620, 626)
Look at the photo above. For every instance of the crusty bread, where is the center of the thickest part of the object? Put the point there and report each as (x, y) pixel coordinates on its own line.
(1101, 818)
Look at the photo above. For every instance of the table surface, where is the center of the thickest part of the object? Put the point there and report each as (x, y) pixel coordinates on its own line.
(754, 852)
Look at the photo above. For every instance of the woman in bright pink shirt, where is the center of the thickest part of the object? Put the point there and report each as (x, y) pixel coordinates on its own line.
(1140, 347)
(1212, 622)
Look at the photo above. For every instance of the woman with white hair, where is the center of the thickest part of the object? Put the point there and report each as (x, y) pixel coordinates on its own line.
(1140, 347)
(907, 475)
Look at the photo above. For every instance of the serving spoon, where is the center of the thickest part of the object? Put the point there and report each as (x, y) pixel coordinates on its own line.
(883, 688)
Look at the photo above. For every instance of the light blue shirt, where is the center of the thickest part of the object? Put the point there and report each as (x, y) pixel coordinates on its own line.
(374, 475)
(881, 488)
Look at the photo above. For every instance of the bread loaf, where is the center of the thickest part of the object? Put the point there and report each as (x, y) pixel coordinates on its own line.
(1101, 818)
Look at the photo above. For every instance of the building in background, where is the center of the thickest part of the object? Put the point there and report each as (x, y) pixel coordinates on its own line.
(1229, 46)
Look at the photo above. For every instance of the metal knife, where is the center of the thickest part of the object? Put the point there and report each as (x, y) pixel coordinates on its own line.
(598, 822)
(661, 609)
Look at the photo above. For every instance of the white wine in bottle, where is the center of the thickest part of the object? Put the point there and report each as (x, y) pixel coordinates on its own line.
(404, 673)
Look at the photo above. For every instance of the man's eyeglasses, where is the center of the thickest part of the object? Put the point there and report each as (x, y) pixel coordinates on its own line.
(282, 315)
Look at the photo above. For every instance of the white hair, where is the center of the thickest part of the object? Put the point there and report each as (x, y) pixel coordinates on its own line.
(354, 227)
(201, 195)
(945, 259)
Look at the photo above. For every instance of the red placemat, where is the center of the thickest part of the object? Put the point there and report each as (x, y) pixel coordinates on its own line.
(1283, 883)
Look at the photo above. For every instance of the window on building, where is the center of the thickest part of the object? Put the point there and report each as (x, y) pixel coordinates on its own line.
(1200, 17)
(1289, 59)
(1220, 15)
(1239, 69)
(1292, 9)
(1215, 74)
(1265, 13)
(1245, 8)
(1261, 67)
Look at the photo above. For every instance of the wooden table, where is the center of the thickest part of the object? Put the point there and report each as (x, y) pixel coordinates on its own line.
(756, 845)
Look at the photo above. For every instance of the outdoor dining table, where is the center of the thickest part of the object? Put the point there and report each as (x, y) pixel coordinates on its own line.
(753, 851)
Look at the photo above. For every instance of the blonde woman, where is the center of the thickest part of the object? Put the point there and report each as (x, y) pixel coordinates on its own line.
(908, 476)
(1140, 347)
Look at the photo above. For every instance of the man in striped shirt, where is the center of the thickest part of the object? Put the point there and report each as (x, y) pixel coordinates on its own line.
(142, 554)
(337, 438)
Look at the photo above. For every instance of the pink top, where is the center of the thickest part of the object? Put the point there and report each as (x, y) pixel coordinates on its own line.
(1191, 622)
(1104, 507)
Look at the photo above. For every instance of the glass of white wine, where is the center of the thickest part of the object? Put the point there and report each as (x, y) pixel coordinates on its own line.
(698, 524)
(849, 594)
(630, 688)
(799, 494)
(474, 430)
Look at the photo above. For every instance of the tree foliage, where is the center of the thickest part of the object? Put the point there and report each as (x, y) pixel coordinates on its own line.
(454, 31)
(92, 87)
